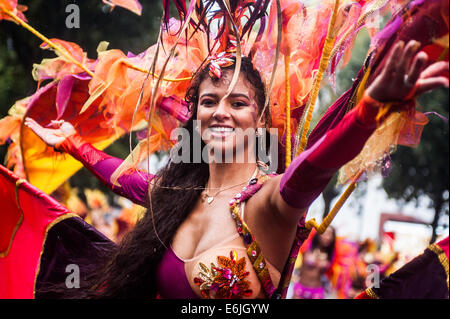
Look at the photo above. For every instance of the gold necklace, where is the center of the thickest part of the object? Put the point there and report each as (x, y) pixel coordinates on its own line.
(210, 198)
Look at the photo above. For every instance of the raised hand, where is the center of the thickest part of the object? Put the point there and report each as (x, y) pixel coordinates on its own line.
(405, 74)
(51, 136)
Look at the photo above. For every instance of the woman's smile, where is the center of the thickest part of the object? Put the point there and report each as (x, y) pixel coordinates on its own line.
(221, 132)
(223, 116)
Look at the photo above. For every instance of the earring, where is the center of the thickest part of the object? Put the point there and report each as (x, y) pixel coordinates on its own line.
(262, 165)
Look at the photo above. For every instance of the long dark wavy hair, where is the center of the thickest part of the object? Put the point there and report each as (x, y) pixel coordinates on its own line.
(129, 270)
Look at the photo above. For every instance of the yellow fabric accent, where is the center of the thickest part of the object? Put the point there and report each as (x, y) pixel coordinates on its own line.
(324, 59)
(46, 170)
(329, 218)
(371, 293)
(287, 60)
(383, 111)
(362, 86)
(441, 256)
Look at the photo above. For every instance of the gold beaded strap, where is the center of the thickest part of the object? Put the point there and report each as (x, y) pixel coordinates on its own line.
(253, 250)
(441, 256)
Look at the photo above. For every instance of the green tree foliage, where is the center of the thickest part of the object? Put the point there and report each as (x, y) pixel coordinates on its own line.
(19, 49)
(423, 171)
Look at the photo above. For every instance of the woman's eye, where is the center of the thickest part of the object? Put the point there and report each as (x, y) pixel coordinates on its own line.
(239, 104)
(208, 102)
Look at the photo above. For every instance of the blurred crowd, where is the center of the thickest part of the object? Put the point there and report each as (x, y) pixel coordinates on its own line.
(332, 267)
(113, 220)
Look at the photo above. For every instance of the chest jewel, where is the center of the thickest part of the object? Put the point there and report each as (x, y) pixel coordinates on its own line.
(225, 281)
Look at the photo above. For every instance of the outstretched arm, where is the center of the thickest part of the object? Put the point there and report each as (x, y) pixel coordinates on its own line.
(64, 137)
(307, 176)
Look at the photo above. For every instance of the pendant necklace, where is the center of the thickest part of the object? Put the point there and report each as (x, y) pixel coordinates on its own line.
(210, 198)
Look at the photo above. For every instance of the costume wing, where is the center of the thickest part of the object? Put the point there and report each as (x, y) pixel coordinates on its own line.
(39, 239)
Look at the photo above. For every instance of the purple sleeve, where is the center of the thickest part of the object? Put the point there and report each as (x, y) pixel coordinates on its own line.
(132, 185)
(312, 170)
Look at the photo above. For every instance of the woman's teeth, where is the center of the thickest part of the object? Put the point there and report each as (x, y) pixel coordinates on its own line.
(221, 129)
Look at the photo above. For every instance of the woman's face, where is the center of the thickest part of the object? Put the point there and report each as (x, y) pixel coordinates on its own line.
(327, 237)
(225, 122)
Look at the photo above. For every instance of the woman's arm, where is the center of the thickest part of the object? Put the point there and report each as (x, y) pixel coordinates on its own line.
(310, 172)
(307, 176)
(133, 185)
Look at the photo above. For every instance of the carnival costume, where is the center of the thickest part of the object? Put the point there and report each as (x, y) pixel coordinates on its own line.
(235, 268)
(317, 165)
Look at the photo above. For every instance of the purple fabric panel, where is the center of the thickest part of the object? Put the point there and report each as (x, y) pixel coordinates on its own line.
(343, 142)
(63, 94)
(423, 277)
(133, 186)
(171, 278)
(70, 241)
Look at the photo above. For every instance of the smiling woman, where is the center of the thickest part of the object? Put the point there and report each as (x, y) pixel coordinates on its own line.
(182, 232)
(224, 118)
(224, 227)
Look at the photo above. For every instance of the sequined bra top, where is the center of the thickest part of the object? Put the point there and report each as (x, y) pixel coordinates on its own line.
(223, 271)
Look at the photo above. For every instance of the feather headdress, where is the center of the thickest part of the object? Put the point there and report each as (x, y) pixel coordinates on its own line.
(292, 43)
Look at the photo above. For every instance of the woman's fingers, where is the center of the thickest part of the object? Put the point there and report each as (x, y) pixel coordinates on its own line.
(29, 120)
(391, 63)
(404, 69)
(433, 77)
(32, 124)
(51, 136)
(424, 85)
(416, 69)
(407, 56)
(436, 69)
